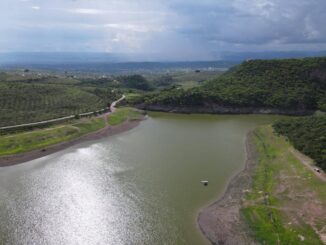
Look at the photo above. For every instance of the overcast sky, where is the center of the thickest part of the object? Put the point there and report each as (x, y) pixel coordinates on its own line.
(197, 29)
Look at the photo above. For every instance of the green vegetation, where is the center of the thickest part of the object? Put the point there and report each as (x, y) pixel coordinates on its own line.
(136, 82)
(28, 97)
(131, 98)
(308, 135)
(22, 102)
(123, 114)
(24, 142)
(282, 189)
(185, 79)
(295, 84)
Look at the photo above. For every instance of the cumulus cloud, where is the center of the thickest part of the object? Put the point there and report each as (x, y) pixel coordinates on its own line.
(176, 28)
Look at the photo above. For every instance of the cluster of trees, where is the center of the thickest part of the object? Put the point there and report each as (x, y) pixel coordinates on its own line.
(298, 84)
(136, 82)
(164, 81)
(308, 135)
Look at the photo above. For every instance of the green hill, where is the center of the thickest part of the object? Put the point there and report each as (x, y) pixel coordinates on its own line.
(308, 135)
(291, 85)
(22, 102)
(27, 97)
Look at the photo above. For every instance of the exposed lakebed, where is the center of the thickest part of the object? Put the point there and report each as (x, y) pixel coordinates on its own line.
(138, 187)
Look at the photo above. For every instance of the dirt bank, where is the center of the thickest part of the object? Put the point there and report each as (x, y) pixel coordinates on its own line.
(221, 222)
(28, 156)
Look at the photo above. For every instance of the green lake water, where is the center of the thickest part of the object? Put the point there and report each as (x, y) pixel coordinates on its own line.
(138, 187)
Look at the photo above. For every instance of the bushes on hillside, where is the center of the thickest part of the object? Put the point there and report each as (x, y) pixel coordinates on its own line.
(298, 84)
(308, 135)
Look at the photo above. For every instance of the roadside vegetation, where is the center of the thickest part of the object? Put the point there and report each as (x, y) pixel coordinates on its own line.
(37, 139)
(123, 114)
(295, 84)
(287, 202)
(308, 135)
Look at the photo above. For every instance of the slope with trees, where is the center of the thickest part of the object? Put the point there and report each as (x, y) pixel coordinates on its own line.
(297, 85)
(308, 135)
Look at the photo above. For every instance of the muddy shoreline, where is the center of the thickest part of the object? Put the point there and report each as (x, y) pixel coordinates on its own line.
(32, 155)
(221, 222)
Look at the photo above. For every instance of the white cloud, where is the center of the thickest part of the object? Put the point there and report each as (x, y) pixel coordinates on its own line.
(135, 28)
(36, 7)
(86, 11)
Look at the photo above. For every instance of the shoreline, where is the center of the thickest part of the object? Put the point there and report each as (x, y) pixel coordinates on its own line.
(108, 130)
(221, 110)
(221, 222)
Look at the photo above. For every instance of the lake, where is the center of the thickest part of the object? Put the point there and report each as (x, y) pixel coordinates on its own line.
(138, 187)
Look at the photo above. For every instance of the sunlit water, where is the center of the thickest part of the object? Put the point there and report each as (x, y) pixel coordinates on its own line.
(138, 187)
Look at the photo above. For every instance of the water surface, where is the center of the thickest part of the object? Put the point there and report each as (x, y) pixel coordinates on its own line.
(138, 187)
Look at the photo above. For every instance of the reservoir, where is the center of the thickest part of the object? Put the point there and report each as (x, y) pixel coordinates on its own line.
(138, 187)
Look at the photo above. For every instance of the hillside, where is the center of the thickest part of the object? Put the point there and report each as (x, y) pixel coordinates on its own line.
(308, 135)
(22, 102)
(291, 85)
(29, 97)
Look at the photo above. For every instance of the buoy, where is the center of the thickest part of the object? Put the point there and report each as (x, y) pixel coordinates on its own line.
(204, 182)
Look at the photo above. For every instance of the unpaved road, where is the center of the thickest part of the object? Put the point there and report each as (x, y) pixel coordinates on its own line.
(309, 164)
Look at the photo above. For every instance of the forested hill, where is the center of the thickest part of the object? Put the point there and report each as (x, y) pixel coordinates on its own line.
(307, 134)
(289, 84)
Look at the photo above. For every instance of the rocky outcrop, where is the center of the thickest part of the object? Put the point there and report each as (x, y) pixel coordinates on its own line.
(218, 109)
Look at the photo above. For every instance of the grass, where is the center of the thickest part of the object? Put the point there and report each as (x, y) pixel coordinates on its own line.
(189, 84)
(24, 142)
(132, 97)
(123, 114)
(275, 208)
(41, 138)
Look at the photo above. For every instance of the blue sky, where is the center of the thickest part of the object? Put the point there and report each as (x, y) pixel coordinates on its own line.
(188, 29)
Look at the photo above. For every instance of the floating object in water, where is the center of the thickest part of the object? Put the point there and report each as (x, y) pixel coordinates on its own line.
(204, 182)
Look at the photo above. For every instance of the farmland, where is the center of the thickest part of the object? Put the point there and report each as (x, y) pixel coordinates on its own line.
(29, 96)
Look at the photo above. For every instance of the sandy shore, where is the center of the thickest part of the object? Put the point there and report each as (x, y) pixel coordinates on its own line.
(31, 155)
(221, 222)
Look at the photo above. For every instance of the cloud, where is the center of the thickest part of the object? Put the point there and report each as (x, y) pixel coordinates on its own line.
(87, 11)
(36, 7)
(175, 28)
(136, 28)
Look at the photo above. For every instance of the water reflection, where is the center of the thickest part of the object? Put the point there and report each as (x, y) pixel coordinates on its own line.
(139, 187)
